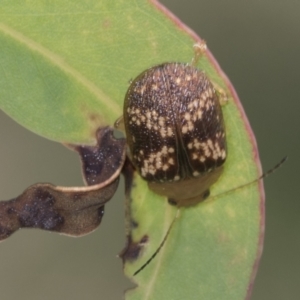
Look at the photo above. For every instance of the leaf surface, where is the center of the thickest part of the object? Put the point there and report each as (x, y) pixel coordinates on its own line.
(65, 67)
(64, 71)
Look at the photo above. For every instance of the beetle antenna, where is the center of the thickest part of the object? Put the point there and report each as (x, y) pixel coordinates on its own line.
(264, 175)
(160, 246)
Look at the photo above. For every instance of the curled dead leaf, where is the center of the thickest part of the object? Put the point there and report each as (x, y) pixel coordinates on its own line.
(70, 210)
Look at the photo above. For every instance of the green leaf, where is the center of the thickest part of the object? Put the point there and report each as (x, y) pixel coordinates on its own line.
(64, 71)
(65, 68)
(213, 249)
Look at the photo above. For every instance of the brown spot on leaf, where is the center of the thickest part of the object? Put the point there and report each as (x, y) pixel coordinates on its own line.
(128, 171)
(106, 23)
(133, 250)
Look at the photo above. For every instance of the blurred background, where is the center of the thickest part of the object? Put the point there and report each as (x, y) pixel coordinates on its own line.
(257, 43)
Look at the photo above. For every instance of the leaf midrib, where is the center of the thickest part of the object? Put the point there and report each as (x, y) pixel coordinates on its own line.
(60, 63)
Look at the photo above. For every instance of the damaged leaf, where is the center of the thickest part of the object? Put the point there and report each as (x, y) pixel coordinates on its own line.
(69, 210)
(54, 208)
(104, 161)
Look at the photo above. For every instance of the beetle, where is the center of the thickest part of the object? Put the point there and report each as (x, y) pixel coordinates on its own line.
(175, 131)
